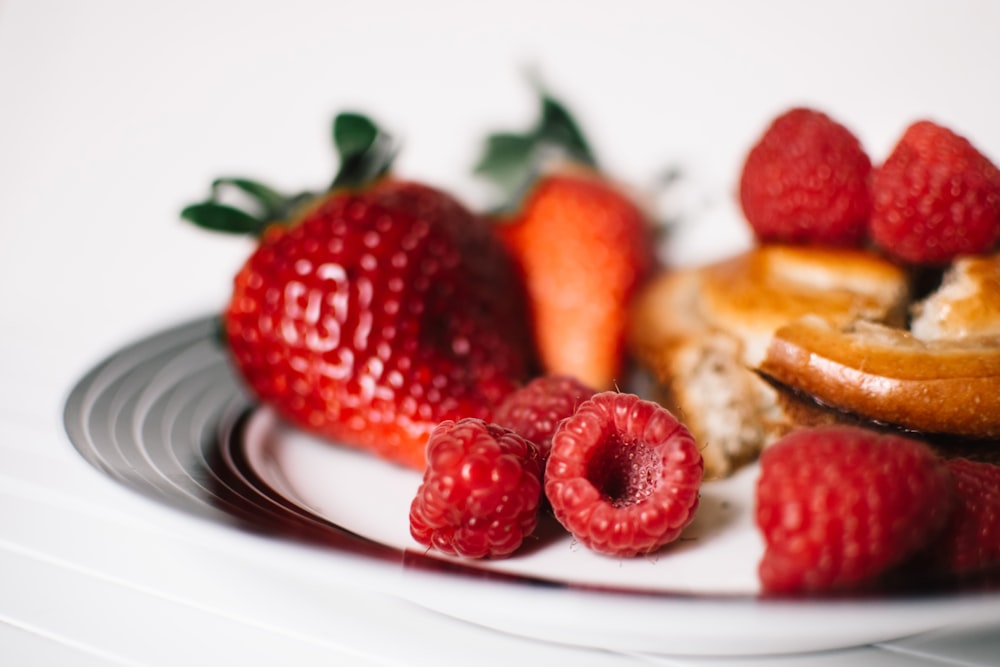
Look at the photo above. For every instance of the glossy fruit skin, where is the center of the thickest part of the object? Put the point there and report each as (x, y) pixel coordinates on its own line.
(840, 506)
(535, 410)
(377, 315)
(935, 197)
(623, 475)
(584, 249)
(806, 181)
(970, 543)
(480, 492)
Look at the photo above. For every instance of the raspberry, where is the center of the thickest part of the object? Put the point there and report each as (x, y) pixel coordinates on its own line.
(840, 506)
(480, 492)
(624, 475)
(536, 409)
(934, 198)
(806, 181)
(970, 542)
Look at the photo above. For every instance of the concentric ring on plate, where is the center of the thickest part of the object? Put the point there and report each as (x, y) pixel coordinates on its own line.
(163, 417)
(167, 418)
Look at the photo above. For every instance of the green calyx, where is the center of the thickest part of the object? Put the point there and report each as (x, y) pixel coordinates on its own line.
(513, 160)
(366, 154)
(260, 206)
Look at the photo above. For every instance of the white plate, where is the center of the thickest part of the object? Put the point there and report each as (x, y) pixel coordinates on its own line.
(697, 596)
(716, 555)
(167, 418)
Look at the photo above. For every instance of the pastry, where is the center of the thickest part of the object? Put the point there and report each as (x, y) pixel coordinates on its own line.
(939, 376)
(700, 333)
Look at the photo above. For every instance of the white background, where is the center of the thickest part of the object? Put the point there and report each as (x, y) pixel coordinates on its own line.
(114, 114)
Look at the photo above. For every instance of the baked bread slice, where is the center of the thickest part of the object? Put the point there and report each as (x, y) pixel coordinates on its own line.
(700, 333)
(965, 305)
(887, 376)
(942, 376)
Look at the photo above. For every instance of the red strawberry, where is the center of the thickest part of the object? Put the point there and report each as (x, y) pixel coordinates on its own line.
(970, 542)
(535, 410)
(936, 197)
(378, 311)
(806, 181)
(584, 246)
(623, 475)
(840, 506)
(480, 492)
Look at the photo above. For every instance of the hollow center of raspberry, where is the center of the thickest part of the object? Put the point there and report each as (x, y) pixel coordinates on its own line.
(624, 471)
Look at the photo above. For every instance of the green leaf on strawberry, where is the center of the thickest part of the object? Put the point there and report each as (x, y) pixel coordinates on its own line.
(512, 161)
(506, 160)
(353, 133)
(558, 129)
(366, 154)
(272, 202)
(221, 218)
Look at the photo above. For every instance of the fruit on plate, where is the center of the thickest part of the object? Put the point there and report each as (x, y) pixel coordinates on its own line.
(623, 476)
(936, 197)
(936, 205)
(806, 180)
(535, 410)
(583, 244)
(373, 311)
(970, 543)
(480, 491)
(840, 507)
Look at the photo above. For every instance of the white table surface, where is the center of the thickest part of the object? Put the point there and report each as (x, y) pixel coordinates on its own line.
(114, 114)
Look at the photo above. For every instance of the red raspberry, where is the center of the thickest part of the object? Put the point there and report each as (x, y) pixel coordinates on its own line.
(480, 492)
(623, 475)
(935, 197)
(839, 506)
(536, 409)
(807, 181)
(970, 542)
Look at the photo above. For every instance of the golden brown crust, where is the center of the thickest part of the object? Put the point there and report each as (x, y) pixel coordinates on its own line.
(699, 332)
(967, 303)
(751, 294)
(888, 376)
(770, 285)
(664, 314)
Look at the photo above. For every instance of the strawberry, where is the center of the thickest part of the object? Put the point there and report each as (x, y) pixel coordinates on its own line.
(535, 410)
(840, 506)
(480, 493)
(583, 245)
(371, 312)
(623, 475)
(935, 197)
(970, 543)
(806, 180)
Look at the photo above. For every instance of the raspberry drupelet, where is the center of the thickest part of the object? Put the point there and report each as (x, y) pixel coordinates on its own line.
(480, 492)
(806, 181)
(623, 475)
(535, 410)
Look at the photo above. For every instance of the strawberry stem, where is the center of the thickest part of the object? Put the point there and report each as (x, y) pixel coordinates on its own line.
(366, 154)
(557, 128)
(513, 160)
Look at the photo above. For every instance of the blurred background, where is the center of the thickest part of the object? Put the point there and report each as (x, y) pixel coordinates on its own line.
(115, 114)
